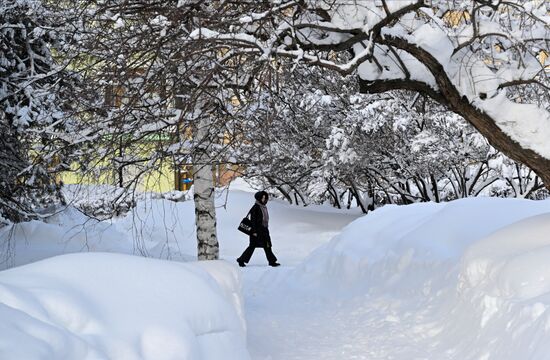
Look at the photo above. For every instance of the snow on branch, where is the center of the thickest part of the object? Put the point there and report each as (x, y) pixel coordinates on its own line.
(470, 55)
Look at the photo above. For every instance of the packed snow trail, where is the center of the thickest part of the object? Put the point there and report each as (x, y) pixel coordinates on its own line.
(286, 324)
(300, 326)
(291, 325)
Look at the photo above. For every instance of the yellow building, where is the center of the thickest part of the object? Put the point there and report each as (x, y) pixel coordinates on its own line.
(165, 177)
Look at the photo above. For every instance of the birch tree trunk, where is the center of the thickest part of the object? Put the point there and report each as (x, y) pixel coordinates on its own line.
(205, 210)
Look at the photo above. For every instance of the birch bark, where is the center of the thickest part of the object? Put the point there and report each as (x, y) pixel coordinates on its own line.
(205, 210)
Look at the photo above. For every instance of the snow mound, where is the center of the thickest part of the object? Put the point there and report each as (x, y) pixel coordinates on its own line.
(382, 247)
(512, 263)
(500, 308)
(110, 306)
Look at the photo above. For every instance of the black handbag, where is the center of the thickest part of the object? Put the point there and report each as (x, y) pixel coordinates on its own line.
(246, 225)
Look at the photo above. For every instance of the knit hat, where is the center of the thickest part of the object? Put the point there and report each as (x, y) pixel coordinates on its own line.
(258, 196)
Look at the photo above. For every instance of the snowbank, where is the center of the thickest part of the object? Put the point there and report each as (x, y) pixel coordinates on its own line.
(512, 263)
(379, 248)
(108, 306)
(504, 292)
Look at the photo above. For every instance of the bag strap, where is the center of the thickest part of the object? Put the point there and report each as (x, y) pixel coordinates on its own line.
(249, 211)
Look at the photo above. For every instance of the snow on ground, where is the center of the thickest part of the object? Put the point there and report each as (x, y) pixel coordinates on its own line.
(462, 280)
(96, 305)
(112, 306)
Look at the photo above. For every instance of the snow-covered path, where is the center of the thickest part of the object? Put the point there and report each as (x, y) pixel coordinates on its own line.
(286, 323)
(301, 328)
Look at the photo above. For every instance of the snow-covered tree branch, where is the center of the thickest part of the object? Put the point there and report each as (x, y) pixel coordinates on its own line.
(470, 56)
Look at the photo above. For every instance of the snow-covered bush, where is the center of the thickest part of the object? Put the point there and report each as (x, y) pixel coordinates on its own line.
(321, 141)
(100, 201)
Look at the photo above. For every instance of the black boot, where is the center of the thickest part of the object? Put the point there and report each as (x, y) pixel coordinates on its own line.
(274, 264)
(241, 263)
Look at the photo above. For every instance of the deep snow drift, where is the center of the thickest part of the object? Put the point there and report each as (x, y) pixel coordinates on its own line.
(110, 306)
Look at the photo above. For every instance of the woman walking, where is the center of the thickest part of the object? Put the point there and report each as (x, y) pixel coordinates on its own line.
(260, 231)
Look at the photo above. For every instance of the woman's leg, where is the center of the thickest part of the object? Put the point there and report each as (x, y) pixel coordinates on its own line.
(247, 254)
(271, 258)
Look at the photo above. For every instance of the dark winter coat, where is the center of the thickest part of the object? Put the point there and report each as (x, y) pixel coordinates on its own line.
(262, 240)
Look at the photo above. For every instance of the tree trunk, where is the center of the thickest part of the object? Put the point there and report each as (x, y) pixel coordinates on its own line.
(120, 165)
(299, 194)
(204, 191)
(435, 188)
(332, 191)
(272, 182)
(358, 198)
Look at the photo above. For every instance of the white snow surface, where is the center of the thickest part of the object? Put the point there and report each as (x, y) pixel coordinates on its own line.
(461, 280)
(165, 229)
(112, 306)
